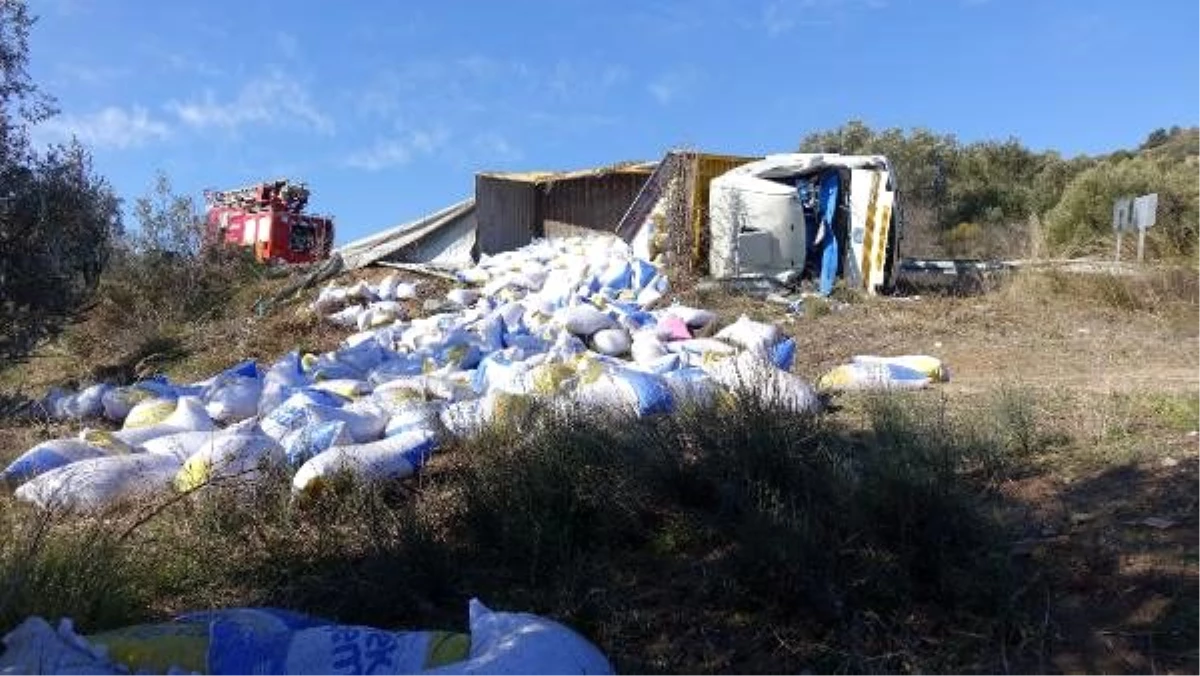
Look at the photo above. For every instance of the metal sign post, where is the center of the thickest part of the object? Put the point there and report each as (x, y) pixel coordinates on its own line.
(1131, 214)
(1122, 220)
(1145, 213)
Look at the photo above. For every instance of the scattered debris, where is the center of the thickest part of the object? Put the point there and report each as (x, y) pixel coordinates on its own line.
(758, 286)
(572, 322)
(1157, 522)
(427, 269)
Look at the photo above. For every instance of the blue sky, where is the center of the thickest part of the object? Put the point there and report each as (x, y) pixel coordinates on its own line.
(387, 109)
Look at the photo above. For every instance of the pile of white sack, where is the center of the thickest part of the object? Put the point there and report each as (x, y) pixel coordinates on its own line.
(578, 322)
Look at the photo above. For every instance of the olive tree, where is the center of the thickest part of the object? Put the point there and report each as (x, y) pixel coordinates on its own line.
(57, 217)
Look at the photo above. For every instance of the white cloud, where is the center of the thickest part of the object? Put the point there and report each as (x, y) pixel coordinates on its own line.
(111, 127)
(90, 75)
(399, 150)
(417, 82)
(775, 20)
(671, 84)
(662, 91)
(428, 141)
(614, 75)
(189, 64)
(781, 17)
(572, 81)
(272, 101)
(495, 147)
(479, 66)
(288, 45)
(70, 8)
(385, 153)
(477, 83)
(563, 79)
(670, 18)
(569, 121)
(485, 99)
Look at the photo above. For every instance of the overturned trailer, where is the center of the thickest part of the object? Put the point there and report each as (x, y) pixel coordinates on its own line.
(445, 238)
(670, 215)
(513, 209)
(793, 215)
(785, 216)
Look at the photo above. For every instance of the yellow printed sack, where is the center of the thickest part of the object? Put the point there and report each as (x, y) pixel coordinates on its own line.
(158, 648)
(930, 367)
(547, 379)
(149, 412)
(106, 440)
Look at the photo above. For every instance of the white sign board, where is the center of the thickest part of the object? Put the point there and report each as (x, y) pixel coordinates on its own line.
(1123, 214)
(1145, 211)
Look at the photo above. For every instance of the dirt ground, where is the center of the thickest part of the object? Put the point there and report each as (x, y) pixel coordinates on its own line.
(1125, 589)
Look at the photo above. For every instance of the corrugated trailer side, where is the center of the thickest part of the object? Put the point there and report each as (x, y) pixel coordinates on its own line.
(507, 213)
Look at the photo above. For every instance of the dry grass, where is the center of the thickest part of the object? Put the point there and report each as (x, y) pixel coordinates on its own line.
(1078, 331)
(762, 515)
(990, 524)
(905, 533)
(114, 346)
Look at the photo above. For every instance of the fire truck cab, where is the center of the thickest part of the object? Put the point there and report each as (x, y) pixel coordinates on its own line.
(269, 218)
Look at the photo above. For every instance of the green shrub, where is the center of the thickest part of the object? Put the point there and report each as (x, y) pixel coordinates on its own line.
(1082, 220)
(815, 517)
(1014, 415)
(160, 283)
(54, 568)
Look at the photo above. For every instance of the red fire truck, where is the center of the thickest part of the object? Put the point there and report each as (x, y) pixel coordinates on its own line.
(269, 217)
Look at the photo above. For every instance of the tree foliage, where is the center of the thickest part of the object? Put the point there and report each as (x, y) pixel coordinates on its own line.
(978, 199)
(922, 160)
(168, 223)
(57, 217)
(163, 273)
(986, 188)
(22, 104)
(1082, 219)
(1177, 145)
(161, 283)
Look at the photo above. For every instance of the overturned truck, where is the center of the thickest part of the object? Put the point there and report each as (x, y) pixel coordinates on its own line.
(806, 215)
(786, 217)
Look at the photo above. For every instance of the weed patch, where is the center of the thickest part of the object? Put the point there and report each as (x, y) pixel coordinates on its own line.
(750, 517)
(736, 538)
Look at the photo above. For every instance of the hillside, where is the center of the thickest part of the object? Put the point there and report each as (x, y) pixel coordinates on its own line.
(1076, 393)
(1176, 144)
